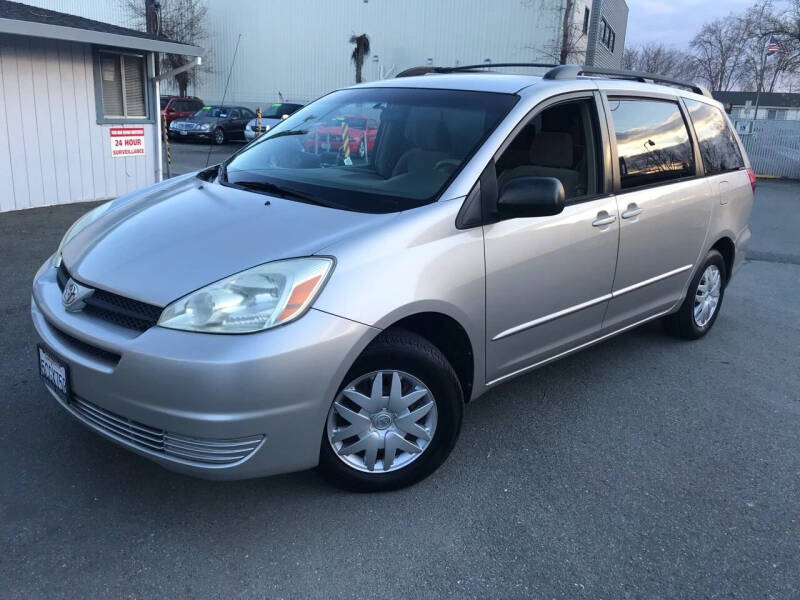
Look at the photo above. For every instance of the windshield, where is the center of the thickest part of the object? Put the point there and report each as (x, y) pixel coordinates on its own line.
(212, 111)
(417, 140)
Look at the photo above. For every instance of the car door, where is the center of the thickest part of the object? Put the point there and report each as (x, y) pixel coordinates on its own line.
(232, 124)
(548, 279)
(664, 206)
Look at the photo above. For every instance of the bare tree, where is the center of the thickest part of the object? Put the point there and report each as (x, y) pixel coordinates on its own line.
(763, 70)
(179, 20)
(718, 55)
(360, 52)
(570, 46)
(660, 60)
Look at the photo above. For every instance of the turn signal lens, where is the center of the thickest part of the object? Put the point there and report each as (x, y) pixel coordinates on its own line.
(752, 177)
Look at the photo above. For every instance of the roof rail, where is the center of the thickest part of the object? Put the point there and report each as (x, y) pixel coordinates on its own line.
(573, 71)
(429, 69)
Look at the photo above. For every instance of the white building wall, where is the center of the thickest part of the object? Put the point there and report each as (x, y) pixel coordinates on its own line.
(302, 48)
(52, 151)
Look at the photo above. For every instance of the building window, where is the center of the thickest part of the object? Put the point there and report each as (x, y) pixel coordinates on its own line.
(586, 19)
(122, 86)
(776, 114)
(607, 36)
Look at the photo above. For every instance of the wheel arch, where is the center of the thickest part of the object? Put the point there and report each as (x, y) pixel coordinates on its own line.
(450, 337)
(725, 246)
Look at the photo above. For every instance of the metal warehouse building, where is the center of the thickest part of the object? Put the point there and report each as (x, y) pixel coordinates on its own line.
(302, 49)
(78, 108)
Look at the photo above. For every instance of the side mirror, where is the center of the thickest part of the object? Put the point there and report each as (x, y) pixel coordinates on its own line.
(170, 110)
(531, 197)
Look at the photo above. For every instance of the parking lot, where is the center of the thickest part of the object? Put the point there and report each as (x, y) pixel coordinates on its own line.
(191, 156)
(644, 467)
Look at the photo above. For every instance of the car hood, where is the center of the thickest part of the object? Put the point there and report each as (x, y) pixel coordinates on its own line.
(200, 119)
(173, 238)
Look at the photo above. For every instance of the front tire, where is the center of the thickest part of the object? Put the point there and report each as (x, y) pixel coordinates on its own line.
(219, 136)
(396, 417)
(700, 308)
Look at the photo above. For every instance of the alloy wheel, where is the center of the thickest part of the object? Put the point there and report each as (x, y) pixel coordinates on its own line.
(706, 298)
(382, 421)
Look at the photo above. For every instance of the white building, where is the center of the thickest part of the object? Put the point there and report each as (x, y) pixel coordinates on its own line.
(302, 49)
(78, 108)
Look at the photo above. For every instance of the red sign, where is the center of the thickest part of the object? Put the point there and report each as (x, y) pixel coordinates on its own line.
(126, 141)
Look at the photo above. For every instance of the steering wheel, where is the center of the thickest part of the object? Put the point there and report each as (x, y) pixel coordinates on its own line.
(447, 165)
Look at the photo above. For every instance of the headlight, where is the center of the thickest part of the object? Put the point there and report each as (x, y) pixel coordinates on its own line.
(173, 125)
(205, 126)
(256, 299)
(79, 226)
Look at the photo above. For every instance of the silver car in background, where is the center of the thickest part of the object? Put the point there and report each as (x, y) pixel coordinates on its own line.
(270, 116)
(298, 306)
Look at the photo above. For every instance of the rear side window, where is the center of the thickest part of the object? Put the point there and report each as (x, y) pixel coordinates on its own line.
(718, 148)
(652, 141)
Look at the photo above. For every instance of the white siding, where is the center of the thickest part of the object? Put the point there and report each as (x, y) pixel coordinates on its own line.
(52, 151)
(302, 48)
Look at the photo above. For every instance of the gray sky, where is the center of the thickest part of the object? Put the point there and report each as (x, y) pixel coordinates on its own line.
(674, 22)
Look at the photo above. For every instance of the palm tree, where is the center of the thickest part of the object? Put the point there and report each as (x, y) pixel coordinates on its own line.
(360, 52)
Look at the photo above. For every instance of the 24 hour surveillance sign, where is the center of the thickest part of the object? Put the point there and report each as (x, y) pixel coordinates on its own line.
(126, 141)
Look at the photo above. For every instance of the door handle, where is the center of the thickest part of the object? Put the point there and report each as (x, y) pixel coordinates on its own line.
(632, 211)
(603, 219)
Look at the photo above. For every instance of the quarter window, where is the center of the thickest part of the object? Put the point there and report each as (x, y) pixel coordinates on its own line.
(652, 141)
(122, 84)
(718, 147)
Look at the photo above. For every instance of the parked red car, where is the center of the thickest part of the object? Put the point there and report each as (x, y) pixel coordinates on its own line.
(178, 107)
(327, 137)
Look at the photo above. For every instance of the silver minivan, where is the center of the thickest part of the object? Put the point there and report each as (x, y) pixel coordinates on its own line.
(301, 306)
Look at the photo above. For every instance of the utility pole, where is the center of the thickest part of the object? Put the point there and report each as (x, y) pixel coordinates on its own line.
(565, 32)
(152, 10)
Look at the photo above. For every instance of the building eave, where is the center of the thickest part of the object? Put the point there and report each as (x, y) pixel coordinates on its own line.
(87, 36)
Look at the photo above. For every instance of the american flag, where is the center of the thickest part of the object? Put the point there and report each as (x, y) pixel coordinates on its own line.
(774, 45)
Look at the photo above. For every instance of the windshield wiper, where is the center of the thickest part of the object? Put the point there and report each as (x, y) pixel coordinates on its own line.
(289, 132)
(276, 190)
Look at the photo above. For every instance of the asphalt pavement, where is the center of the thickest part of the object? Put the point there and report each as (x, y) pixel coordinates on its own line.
(193, 156)
(644, 467)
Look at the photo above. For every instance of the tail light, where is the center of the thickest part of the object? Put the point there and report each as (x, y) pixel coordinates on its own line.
(752, 177)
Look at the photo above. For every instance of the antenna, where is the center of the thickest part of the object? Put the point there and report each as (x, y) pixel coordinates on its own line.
(225, 91)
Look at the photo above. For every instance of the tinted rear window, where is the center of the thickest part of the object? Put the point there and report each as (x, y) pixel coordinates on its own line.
(652, 141)
(718, 148)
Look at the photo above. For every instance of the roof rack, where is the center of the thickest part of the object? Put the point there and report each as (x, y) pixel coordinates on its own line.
(573, 71)
(563, 72)
(413, 71)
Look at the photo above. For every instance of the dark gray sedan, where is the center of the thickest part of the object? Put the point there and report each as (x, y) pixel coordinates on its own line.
(216, 123)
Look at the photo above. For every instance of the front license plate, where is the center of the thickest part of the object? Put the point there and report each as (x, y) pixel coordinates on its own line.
(54, 372)
(182, 133)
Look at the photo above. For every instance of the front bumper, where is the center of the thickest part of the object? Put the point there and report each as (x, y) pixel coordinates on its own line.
(277, 384)
(190, 135)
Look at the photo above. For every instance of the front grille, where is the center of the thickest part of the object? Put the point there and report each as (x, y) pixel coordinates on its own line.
(122, 311)
(184, 126)
(170, 445)
(99, 353)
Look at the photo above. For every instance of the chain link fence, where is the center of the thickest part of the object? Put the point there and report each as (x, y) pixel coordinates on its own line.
(773, 146)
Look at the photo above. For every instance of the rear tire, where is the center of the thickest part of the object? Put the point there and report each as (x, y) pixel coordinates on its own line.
(383, 419)
(703, 301)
